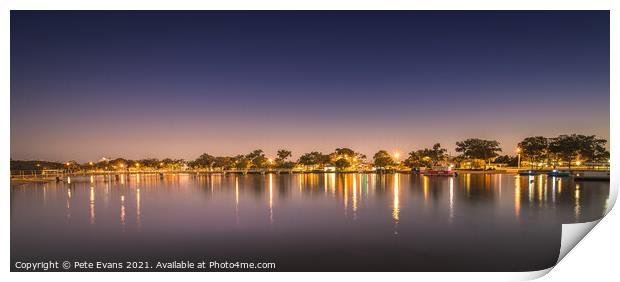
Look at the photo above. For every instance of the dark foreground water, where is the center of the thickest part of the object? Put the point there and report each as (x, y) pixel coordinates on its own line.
(309, 222)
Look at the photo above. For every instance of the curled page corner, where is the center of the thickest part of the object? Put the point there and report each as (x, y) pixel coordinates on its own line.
(532, 275)
(572, 234)
(613, 193)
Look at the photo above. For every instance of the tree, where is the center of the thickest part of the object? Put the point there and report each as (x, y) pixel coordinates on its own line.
(35, 165)
(176, 164)
(418, 158)
(382, 159)
(426, 157)
(204, 160)
(342, 164)
(360, 157)
(149, 163)
(475, 148)
(257, 159)
(255, 154)
(534, 148)
(593, 149)
(241, 162)
(280, 161)
(437, 154)
(224, 162)
(283, 155)
(287, 165)
(120, 163)
(509, 160)
(308, 159)
(566, 147)
(570, 147)
(353, 158)
(345, 152)
(313, 159)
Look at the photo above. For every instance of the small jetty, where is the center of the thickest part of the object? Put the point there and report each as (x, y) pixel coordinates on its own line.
(584, 175)
(592, 176)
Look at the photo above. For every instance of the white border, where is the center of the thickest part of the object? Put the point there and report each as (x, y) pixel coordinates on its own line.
(580, 265)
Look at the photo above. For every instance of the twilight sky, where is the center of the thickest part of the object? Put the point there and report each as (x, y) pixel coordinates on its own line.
(176, 84)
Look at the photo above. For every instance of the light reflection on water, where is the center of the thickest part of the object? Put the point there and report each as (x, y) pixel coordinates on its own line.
(400, 214)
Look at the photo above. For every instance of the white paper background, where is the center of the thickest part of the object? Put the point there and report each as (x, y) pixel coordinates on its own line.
(594, 259)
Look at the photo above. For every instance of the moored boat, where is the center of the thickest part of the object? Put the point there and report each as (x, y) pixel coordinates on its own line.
(527, 172)
(557, 173)
(439, 171)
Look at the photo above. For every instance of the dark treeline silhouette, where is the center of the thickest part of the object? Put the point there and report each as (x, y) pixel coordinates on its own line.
(536, 151)
(564, 149)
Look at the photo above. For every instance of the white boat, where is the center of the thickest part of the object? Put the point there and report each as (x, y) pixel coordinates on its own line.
(439, 171)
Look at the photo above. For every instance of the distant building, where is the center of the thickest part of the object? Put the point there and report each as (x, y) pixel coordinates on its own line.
(329, 168)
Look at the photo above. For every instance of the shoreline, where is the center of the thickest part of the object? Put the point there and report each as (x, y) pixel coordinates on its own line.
(19, 181)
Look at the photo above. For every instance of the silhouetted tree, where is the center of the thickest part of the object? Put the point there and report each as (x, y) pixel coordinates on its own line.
(382, 159)
(534, 148)
(283, 155)
(342, 164)
(506, 159)
(570, 147)
(475, 148)
(204, 161)
(313, 159)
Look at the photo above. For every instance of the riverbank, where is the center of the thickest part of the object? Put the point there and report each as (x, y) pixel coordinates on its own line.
(15, 181)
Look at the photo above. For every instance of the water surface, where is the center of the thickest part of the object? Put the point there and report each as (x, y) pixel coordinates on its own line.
(306, 222)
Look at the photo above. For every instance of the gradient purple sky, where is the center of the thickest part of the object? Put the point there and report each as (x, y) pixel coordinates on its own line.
(177, 84)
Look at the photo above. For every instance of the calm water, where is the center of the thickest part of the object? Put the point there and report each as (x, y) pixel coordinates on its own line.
(310, 222)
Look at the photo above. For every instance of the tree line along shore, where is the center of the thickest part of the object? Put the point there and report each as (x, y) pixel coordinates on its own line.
(535, 152)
